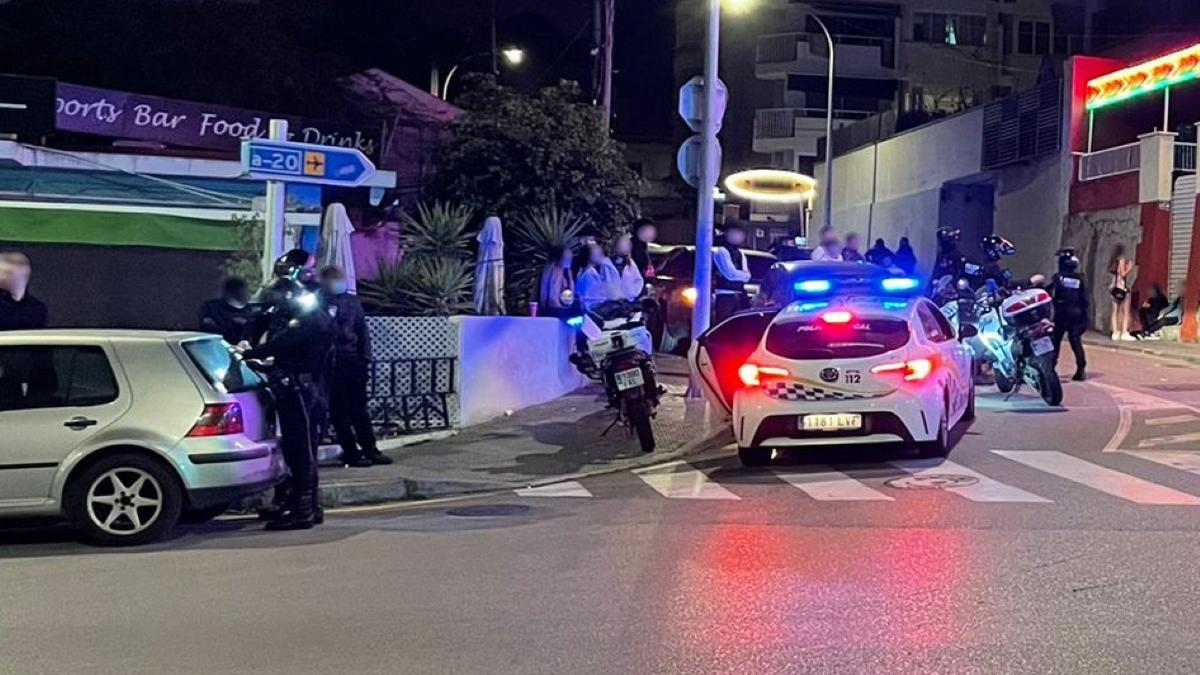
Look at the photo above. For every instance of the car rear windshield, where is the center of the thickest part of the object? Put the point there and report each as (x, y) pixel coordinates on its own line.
(682, 264)
(221, 366)
(815, 339)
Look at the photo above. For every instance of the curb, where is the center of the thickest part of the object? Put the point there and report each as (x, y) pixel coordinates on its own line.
(358, 493)
(1140, 348)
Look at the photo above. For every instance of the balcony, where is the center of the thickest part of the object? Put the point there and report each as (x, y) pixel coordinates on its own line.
(781, 54)
(1128, 159)
(797, 129)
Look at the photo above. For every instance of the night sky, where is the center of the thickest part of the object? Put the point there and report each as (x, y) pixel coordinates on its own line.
(278, 55)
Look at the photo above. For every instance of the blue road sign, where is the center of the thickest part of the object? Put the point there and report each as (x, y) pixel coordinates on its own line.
(305, 163)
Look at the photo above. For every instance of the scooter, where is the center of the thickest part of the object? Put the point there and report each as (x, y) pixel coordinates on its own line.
(615, 348)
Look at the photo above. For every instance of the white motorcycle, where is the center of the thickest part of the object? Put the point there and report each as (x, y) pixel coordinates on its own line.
(1015, 332)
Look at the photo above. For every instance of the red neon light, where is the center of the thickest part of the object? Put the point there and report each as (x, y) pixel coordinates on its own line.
(1143, 78)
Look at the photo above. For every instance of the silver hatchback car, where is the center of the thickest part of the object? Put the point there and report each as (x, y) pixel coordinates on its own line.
(126, 432)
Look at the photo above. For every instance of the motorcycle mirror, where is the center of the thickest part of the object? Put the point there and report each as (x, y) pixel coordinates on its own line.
(967, 331)
(567, 297)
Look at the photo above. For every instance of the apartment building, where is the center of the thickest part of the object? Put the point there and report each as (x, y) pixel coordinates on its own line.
(919, 58)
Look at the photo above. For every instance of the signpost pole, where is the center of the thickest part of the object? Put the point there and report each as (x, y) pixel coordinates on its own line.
(274, 224)
(702, 311)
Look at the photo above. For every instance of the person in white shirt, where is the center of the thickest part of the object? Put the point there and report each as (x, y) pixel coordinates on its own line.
(596, 278)
(632, 282)
(829, 247)
(733, 271)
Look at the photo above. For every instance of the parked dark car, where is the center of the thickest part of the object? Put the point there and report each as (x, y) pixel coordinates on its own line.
(674, 294)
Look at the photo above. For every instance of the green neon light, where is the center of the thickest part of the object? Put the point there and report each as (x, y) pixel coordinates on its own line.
(1162, 84)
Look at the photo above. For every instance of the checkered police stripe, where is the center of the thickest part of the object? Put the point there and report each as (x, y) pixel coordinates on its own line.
(791, 391)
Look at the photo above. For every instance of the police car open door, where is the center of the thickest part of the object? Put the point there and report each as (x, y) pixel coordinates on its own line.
(716, 356)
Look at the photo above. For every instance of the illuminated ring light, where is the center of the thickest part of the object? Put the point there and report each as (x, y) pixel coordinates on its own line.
(771, 185)
(1143, 78)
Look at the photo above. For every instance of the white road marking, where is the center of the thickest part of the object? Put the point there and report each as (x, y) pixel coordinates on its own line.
(1128, 402)
(985, 490)
(1168, 440)
(832, 486)
(680, 480)
(1100, 478)
(1184, 461)
(570, 488)
(1173, 419)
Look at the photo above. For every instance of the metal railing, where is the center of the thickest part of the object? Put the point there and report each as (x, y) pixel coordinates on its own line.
(781, 122)
(411, 395)
(1110, 162)
(781, 47)
(1185, 157)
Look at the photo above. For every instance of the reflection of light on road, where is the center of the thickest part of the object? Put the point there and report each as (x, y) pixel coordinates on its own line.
(755, 590)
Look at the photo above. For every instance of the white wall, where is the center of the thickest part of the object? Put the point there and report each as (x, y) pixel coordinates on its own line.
(893, 189)
(508, 363)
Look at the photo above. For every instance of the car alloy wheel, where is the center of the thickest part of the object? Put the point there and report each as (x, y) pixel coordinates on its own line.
(124, 501)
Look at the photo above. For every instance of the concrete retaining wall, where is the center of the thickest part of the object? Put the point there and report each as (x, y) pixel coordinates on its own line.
(508, 363)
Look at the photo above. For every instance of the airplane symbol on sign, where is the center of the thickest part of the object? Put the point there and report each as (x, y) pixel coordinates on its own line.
(314, 163)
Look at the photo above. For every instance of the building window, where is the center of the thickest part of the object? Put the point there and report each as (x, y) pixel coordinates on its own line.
(952, 29)
(1033, 37)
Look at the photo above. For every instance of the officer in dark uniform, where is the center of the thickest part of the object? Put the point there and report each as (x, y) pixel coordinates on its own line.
(950, 260)
(300, 340)
(1070, 295)
(231, 316)
(994, 249)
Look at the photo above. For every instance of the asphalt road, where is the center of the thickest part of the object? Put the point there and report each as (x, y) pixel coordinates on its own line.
(1053, 541)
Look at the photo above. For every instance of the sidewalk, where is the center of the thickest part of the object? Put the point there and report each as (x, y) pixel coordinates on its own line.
(1184, 351)
(543, 444)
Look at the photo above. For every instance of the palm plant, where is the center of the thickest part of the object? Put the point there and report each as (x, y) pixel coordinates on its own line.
(536, 231)
(418, 286)
(439, 229)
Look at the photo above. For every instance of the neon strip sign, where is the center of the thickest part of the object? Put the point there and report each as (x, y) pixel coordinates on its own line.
(1144, 78)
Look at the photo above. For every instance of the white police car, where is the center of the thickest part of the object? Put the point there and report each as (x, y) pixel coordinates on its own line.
(857, 357)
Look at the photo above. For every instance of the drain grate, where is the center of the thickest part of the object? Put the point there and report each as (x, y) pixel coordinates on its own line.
(489, 511)
(931, 481)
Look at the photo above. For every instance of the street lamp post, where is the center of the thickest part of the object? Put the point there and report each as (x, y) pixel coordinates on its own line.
(828, 126)
(513, 56)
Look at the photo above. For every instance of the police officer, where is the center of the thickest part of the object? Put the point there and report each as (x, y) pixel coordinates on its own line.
(1070, 309)
(994, 248)
(300, 340)
(230, 315)
(949, 260)
(732, 272)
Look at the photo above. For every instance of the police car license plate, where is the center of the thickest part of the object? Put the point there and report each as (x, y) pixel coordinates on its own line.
(628, 379)
(835, 422)
(1042, 345)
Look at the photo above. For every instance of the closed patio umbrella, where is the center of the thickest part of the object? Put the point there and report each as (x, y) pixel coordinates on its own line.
(335, 243)
(489, 269)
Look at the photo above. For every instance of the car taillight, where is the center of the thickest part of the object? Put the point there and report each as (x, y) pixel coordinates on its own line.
(218, 419)
(752, 375)
(837, 316)
(913, 371)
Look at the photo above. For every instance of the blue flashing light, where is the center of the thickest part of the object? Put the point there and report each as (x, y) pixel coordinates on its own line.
(814, 286)
(575, 321)
(810, 306)
(894, 304)
(894, 284)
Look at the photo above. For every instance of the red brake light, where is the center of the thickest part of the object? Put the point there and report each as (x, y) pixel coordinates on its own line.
(913, 371)
(751, 375)
(218, 419)
(838, 316)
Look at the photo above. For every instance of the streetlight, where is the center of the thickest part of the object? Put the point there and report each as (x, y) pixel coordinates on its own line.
(513, 56)
(828, 126)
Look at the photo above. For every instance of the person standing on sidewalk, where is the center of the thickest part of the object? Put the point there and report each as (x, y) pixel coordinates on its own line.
(1120, 269)
(1070, 296)
(351, 365)
(19, 310)
(230, 315)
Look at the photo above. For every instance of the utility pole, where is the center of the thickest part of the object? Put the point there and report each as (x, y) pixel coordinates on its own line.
(495, 47)
(702, 310)
(610, 7)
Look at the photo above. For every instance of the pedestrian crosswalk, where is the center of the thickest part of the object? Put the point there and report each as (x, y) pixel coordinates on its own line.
(887, 481)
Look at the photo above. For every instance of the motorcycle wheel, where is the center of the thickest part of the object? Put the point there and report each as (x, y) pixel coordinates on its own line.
(1048, 384)
(1004, 384)
(637, 408)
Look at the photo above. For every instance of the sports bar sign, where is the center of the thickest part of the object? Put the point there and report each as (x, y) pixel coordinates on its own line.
(118, 114)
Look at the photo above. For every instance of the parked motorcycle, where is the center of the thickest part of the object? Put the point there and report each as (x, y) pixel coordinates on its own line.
(615, 348)
(1015, 332)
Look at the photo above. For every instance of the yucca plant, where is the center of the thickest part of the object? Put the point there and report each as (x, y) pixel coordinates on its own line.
(535, 231)
(438, 230)
(419, 286)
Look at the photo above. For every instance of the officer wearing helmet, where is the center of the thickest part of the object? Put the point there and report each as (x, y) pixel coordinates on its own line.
(994, 249)
(950, 260)
(1070, 295)
(299, 340)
